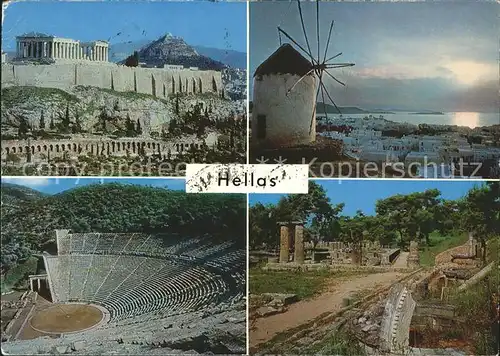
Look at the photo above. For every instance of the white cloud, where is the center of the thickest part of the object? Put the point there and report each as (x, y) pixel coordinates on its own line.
(27, 181)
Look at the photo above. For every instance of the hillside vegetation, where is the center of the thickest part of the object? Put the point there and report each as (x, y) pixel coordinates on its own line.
(117, 207)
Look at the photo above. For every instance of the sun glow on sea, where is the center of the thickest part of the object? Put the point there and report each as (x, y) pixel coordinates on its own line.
(470, 119)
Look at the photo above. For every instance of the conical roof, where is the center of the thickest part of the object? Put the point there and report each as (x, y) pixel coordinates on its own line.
(285, 60)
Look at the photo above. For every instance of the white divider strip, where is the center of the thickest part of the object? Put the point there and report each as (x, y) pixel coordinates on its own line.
(247, 178)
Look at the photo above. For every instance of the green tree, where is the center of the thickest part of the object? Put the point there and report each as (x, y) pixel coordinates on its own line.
(23, 128)
(52, 125)
(412, 215)
(133, 60)
(66, 121)
(42, 122)
(263, 229)
(177, 104)
(480, 210)
(129, 127)
(138, 128)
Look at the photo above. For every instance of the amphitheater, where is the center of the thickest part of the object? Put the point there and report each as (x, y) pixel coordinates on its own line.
(136, 293)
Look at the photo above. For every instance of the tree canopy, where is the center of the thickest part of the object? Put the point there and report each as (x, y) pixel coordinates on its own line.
(398, 219)
(117, 207)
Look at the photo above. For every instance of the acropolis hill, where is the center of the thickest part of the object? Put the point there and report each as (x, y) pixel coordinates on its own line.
(47, 61)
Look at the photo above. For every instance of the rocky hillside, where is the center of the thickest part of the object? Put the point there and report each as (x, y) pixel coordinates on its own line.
(170, 49)
(97, 111)
(234, 59)
(15, 195)
(117, 207)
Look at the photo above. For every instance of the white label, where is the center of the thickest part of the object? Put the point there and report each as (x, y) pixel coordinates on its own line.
(247, 178)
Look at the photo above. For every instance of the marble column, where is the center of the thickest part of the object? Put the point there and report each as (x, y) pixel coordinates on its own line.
(299, 244)
(284, 243)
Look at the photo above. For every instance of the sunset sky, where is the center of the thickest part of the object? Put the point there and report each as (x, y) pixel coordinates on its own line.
(435, 55)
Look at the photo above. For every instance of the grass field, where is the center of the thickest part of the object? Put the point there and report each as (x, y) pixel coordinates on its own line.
(16, 274)
(438, 244)
(304, 284)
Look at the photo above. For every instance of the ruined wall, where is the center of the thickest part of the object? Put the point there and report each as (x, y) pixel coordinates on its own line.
(44, 150)
(445, 256)
(93, 75)
(61, 76)
(155, 81)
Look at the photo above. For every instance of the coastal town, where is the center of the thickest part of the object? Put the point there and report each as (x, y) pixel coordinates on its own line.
(454, 150)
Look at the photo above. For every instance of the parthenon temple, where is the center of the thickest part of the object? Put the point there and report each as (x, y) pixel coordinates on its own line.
(36, 45)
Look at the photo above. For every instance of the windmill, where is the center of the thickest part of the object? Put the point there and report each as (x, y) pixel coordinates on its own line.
(320, 65)
(286, 88)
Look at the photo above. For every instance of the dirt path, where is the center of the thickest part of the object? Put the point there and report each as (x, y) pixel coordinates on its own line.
(402, 260)
(263, 329)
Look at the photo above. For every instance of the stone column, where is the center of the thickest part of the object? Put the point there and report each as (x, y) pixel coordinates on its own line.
(299, 244)
(284, 243)
(39, 284)
(472, 251)
(31, 283)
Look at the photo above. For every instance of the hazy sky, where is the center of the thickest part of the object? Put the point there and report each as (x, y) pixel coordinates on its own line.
(57, 185)
(435, 55)
(213, 24)
(363, 194)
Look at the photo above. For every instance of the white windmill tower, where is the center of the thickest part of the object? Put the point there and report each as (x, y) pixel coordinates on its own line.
(286, 87)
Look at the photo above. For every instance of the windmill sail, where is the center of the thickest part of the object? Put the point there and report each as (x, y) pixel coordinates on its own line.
(319, 66)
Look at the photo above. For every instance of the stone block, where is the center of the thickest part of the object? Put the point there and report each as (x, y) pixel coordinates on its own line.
(78, 345)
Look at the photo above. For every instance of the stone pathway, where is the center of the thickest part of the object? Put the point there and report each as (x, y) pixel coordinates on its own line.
(263, 329)
(401, 260)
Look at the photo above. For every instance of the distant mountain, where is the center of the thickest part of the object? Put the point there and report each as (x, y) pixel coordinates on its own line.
(14, 194)
(330, 109)
(118, 52)
(174, 50)
(229, 57)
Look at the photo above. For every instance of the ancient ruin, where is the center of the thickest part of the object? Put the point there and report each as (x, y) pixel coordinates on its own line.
(36, 45)
(168, 292)
(291, 239)
(44, 150)
(293, 250)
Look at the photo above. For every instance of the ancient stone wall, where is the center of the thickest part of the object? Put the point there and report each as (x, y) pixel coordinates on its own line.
(43, 150)
(159, 82)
